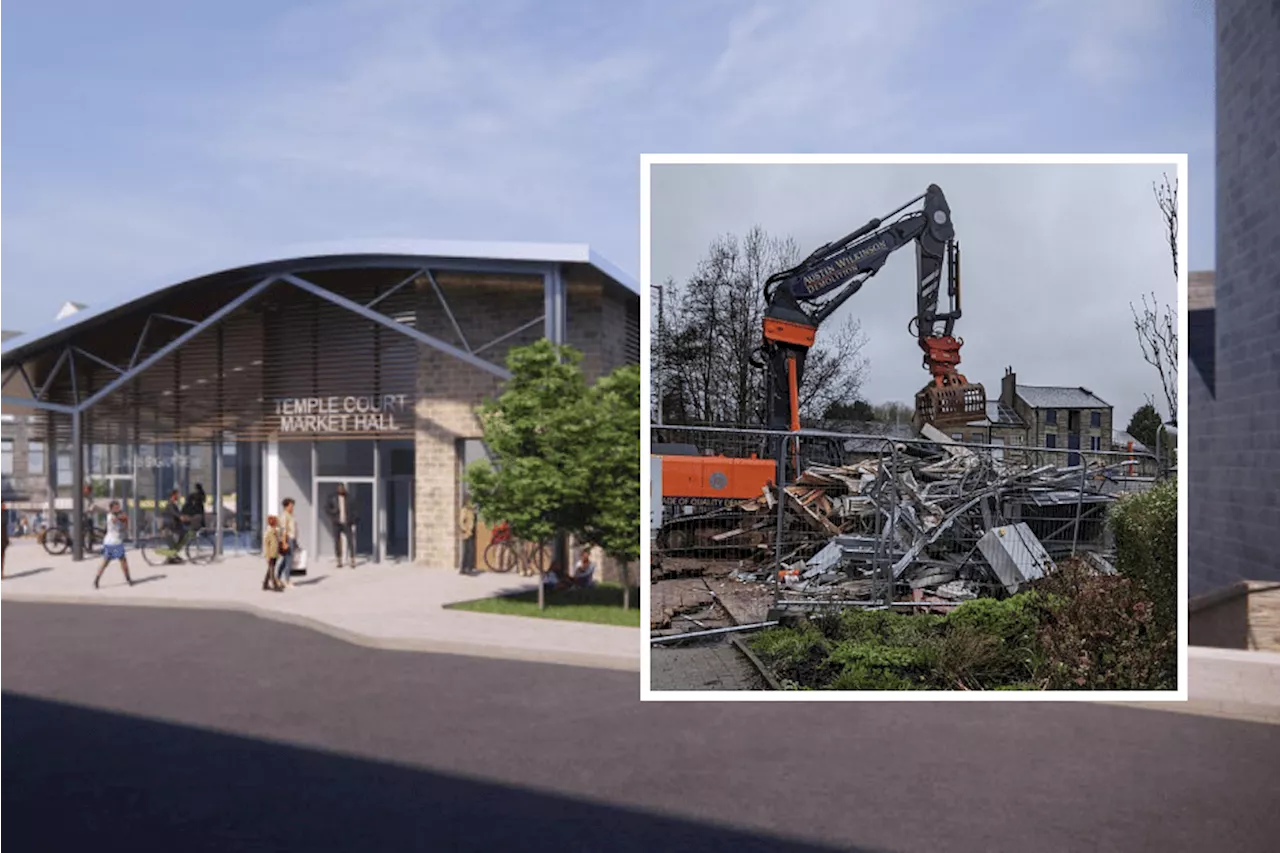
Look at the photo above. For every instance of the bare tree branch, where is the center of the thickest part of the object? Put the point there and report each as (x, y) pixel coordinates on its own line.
(712, 326)
(1167, 197)
(1157, 325)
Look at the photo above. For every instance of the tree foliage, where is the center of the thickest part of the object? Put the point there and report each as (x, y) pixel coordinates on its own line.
(858, 410)
(534, 431)
(1144, 424)
(611, 461)
(566, 457)
(710, 324)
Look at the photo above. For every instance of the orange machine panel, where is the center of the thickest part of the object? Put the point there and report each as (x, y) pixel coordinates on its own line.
(715, 477)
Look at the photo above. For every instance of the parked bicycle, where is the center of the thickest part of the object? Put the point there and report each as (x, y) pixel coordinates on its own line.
(57, 540)
(194, 546)
(504, 553)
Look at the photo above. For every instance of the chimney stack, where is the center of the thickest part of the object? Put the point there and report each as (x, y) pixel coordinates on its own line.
(1008, 387)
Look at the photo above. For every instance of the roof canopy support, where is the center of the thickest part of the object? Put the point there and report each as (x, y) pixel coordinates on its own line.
(212, 320)
(448, 313)
(511, 334)
(409, 331)
(412, 277)
(53, 374)
(177, 319)
(101, 361)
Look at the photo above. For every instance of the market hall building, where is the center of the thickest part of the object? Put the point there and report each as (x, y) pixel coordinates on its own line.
(357, 364)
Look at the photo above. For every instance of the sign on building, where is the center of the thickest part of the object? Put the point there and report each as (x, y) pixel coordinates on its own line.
(330, 415)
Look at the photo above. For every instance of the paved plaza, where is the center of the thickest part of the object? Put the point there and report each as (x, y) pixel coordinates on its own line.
(397, 606)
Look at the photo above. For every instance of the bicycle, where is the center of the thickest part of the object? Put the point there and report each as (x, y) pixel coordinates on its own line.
(195, 547)
(504, 553)
(57, 540)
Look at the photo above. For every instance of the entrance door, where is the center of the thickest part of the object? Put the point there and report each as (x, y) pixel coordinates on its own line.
(397, 518)
(362, 505)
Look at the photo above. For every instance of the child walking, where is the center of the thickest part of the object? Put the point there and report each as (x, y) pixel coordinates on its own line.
(113, 543)
(271, 550)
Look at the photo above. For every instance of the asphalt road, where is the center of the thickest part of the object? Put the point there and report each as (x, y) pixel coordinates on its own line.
(147, 729)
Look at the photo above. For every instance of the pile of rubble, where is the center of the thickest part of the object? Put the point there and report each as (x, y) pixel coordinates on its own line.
(931, 516)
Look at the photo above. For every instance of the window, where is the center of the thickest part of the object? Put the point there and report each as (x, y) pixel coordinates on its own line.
(64, 469)
(1095, 420)
(1051, 416)
(957, 436)
(1051, 440)
(8, 457)
(35, 457)
(976, 438)
(1095, 442)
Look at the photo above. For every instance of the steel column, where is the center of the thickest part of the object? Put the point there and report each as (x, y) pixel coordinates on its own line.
(555, 310)
(77, 489)
(378, 544)
(217, 494)
(51, 468)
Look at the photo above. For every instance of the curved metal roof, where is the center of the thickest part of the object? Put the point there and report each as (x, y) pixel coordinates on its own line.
(476, 252)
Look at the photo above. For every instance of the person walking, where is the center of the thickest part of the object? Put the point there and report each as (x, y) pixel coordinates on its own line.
(194, 509)
(342, 512)
(113, 543)
(4, 548)
(288, 543)
(467, 533)
(271, 550)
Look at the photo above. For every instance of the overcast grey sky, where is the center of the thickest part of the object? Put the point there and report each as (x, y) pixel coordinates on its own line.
(1052, 257)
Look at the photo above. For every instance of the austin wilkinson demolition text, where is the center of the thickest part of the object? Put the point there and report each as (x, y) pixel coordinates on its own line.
(341, 414)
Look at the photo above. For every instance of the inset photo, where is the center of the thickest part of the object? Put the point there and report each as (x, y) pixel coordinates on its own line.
(914, 427)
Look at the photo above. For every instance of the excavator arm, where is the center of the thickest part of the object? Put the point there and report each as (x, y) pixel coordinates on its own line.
(798, 300)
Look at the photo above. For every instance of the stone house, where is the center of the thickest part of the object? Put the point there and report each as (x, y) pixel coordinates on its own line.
(1054, 417)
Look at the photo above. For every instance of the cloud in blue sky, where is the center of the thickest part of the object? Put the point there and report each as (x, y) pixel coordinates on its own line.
(144, 136)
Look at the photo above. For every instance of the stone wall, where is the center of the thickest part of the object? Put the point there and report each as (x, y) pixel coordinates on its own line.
(449, 390)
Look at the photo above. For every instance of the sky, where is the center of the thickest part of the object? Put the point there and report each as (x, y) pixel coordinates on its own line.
(150, 137)
(1052, 256)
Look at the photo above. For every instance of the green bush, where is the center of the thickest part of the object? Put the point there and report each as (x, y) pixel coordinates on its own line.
(879, 626)
(873, 666)
(794, 654)
(1075, 630)
(1012, 619)
(1146, 533)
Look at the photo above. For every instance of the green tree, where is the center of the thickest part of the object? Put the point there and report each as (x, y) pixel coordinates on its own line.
(858, 410)
(1144, 424)
(610, 459)
(566, 457)
(535, 430)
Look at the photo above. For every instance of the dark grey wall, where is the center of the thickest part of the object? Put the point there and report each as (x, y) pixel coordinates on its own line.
(1238, 518)
(1204, 573)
